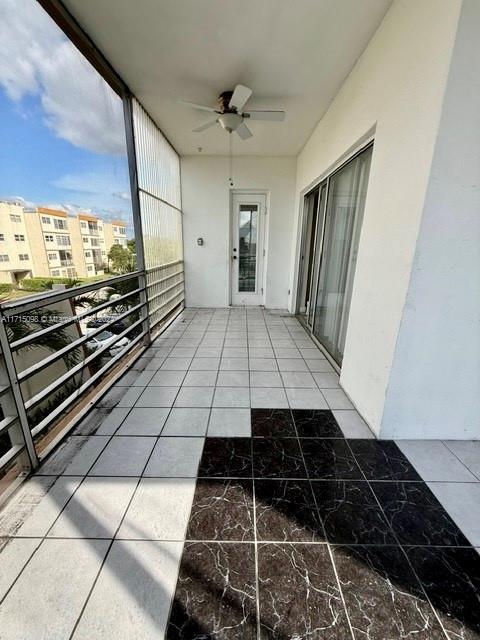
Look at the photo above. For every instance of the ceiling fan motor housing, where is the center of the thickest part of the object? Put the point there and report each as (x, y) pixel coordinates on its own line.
(230, 121)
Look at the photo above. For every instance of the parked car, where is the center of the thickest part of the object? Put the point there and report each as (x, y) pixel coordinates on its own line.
(118, 327)
(106, 337)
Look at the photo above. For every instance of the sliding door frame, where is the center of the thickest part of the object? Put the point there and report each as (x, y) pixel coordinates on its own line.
(319, 184)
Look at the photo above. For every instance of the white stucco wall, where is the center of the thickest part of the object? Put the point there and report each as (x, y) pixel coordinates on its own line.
(206, 207)
(396, 87)
(434, 388)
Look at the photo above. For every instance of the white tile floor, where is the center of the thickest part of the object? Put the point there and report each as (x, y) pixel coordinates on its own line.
(116, 503)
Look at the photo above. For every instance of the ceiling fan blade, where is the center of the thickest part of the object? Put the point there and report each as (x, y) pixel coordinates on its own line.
(239, 97)
(243, 131)
(274, 116)
(207, 125)
(198, 106)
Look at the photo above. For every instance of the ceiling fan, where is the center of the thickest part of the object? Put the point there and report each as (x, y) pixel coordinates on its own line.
(230, 114)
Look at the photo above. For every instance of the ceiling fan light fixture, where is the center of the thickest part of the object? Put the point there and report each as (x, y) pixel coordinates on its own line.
(230, 121)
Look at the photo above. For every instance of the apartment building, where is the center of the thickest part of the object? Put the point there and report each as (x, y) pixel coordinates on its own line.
(43, 242)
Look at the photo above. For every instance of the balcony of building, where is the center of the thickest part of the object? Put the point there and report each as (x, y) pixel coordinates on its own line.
(267, 425)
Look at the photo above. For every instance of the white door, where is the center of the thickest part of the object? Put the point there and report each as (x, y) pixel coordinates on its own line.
(247, 248)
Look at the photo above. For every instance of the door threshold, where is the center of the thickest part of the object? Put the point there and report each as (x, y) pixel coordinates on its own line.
(327, 355)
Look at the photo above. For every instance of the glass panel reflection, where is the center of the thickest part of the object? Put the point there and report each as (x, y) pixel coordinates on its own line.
(247, 235)
(345, 205)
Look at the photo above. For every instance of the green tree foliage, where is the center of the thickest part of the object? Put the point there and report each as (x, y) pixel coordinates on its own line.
(121, 259)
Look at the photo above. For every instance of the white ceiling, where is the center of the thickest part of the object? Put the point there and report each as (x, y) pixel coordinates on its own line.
(294, 54)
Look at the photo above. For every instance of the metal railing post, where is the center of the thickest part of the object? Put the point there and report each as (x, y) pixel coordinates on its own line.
(136, 213)
(11, 373)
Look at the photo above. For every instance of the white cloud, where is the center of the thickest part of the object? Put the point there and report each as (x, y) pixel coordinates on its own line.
(99, 192)
(36, 58)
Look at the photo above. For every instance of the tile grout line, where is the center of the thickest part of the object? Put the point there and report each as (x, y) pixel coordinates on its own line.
(460, 460)
(405, 555)
(114, 537)
(320, 519)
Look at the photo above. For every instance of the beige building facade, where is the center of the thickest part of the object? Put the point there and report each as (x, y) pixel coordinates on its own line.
(43, 242)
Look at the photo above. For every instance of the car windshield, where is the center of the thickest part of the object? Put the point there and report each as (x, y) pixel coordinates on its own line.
(104, 335)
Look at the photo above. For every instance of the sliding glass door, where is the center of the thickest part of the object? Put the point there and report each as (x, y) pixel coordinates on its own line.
(336, 252)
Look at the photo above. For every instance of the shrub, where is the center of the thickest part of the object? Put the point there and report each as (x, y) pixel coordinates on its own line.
(45, 284)
(36, 284)
(5, 288)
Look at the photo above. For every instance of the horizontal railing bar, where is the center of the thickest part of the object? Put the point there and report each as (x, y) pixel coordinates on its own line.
(4, 389)
(84, 314)
(76, 394)
(163, 266)
(148, 193)
(46, 362)
(33, 302)
(155, 282)
(168, 311)
(162, 306)
(156, 295)
(11, 455)
(76, 369)
(7, 422)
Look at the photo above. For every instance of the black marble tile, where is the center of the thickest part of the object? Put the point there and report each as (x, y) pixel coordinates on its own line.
(350, 513)
(451, 578)
(277, 458)
(215, 594)
(298, 593)
(222, 510)
(226, 458)
(382, 460)
(272, 423)
(316, 423)
(285, 511)
(415, 514)
(383, 598)
(329, 459)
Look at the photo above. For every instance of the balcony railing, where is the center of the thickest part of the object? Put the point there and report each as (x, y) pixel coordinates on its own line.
(60, 351)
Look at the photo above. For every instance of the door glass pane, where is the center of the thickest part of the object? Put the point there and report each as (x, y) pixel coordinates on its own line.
(346, 199)
(318, 247)
(247, 237)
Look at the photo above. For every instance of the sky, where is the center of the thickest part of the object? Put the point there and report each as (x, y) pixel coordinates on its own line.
(62, 138)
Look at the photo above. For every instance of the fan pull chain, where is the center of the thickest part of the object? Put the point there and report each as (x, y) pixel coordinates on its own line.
(230, 159)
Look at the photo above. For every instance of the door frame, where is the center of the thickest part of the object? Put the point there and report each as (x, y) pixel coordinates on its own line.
(362, 143)
(361, 146)
(248, 192)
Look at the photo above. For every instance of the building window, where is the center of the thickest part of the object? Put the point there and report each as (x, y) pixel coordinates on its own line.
(59, 224)
(15, 218)
(55, 272)
(52, 256)
(94, 242)
(48, 238)
(89, 267)
(4, 257)
(23, 256)
(83, 225)
(123, 231)
(19, 237)
(88, 254)
(85, 240)
(63, 241)
(2, 237)
(46, 220)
